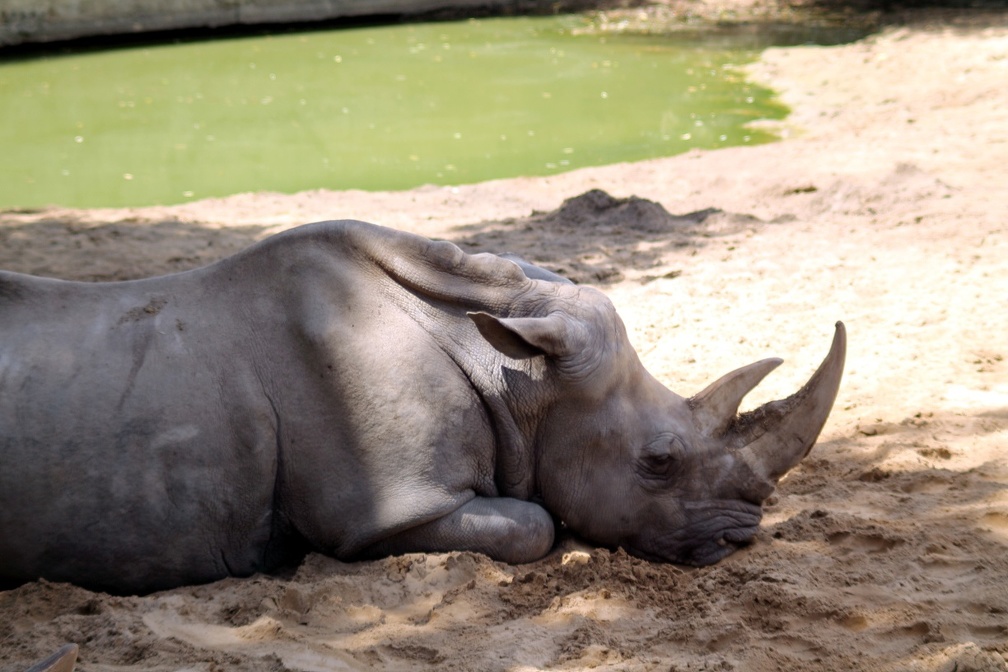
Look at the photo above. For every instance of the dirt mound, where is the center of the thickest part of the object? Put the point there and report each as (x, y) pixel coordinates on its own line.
(595, 238)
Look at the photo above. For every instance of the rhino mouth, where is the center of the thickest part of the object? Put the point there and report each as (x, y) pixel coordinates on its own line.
(728, 543)
(706, 539)
(705, 554)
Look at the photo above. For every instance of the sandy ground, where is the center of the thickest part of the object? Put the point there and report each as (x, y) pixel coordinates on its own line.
(887, 549)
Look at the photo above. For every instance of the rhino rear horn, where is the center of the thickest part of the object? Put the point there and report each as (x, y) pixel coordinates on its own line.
(62, 660)
(777, 435)
(715, 408)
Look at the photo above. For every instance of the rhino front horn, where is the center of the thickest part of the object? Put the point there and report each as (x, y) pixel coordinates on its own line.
(775, 437)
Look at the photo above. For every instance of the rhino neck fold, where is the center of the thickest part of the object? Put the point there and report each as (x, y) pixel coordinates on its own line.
(514, 457)
(515, 406)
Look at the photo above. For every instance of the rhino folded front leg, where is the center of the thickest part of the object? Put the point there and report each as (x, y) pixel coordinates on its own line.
(506, 529)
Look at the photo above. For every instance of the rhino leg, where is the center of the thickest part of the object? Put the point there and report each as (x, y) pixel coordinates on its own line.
(506, 529)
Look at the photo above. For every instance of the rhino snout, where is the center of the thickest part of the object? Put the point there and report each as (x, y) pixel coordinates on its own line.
(712, 532)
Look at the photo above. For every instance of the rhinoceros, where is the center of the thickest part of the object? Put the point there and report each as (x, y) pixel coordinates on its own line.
(360, 391)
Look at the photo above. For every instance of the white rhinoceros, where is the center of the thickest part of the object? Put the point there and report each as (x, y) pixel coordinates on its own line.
(360, 391)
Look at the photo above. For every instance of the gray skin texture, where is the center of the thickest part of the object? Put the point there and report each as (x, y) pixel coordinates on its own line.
(359, 391)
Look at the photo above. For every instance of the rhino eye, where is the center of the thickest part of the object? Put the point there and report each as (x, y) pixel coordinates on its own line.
(660, 458)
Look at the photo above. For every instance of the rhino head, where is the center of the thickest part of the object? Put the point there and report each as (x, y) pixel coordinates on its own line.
(624, 461)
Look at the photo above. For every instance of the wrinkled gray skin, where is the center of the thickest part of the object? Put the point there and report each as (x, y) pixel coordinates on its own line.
(359, 391)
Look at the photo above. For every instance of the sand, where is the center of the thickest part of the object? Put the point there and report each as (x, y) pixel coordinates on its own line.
(886, 549)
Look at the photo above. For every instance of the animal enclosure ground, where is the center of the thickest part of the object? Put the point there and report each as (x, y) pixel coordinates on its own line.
(887, 549)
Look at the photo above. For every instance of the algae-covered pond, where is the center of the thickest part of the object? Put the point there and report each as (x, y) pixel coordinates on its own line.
(384, 107)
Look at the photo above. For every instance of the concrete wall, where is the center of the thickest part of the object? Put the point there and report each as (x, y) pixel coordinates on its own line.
(48, 20)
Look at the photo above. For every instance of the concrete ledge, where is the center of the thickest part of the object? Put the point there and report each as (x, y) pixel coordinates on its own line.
(24, 21)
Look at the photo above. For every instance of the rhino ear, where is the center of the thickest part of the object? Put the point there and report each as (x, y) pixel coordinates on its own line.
(524, 337)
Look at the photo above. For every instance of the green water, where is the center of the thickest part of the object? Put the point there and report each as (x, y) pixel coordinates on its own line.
(373, 108)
